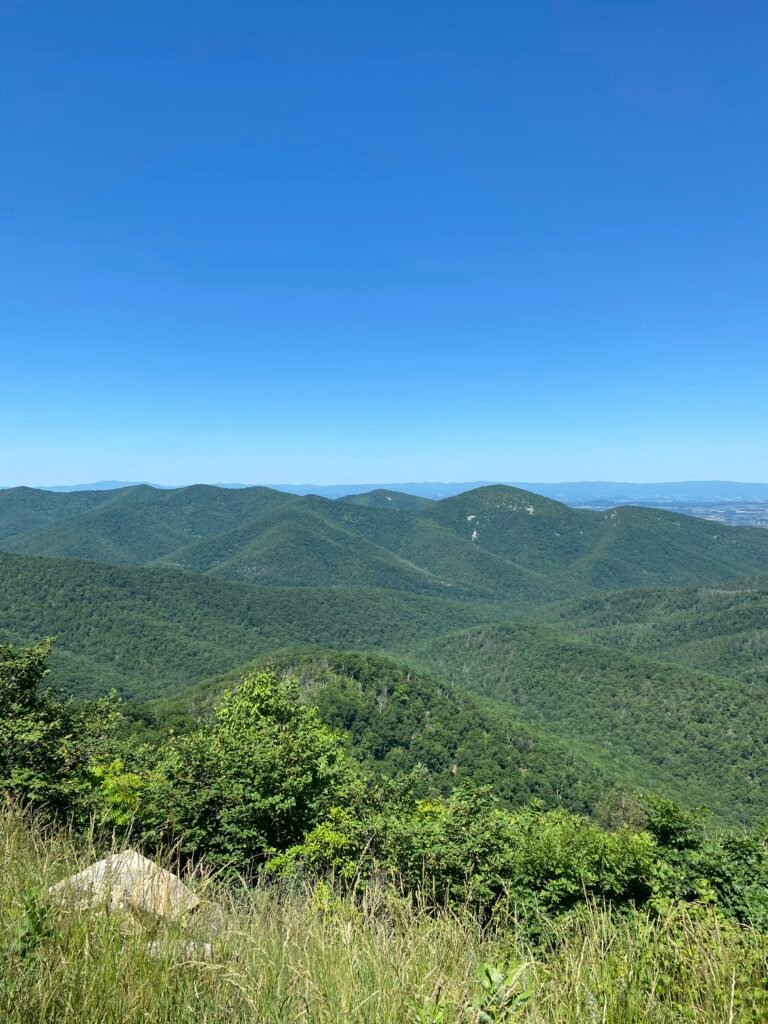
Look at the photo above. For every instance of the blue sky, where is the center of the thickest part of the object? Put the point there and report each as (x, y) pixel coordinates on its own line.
(354, 241)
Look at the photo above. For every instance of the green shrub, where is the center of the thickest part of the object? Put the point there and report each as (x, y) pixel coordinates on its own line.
(256, 781)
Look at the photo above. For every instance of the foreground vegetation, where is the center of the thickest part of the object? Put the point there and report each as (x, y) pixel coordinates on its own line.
(288, 953)
(342, 886)
(398, 720)
(265, 785)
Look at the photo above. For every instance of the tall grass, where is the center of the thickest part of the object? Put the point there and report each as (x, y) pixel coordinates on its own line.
(307, 954)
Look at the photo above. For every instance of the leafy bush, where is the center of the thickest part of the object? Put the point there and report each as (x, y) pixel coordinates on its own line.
(255, 781)
(268, 783)
(48, 744)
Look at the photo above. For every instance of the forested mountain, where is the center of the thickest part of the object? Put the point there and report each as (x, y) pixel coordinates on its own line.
(400, 720)
(721, 628)
(701, 736)
(149, 631)
(24, 509)
(494, 542)
(621, 547)
(519, 598)
(382, 498)
(314, 542)
(128, 526)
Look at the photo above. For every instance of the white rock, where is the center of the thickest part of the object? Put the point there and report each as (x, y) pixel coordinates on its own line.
(127, 881)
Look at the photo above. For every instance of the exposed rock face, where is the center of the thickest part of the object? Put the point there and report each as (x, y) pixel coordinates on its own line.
(130, 882)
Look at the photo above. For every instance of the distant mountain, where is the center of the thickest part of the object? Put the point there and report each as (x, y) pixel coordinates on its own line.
(382, 498)
(681, 491)
(492, 543)
(24, 509)
(434, 491)
(131, 525)
(572, 493)
(102, 485)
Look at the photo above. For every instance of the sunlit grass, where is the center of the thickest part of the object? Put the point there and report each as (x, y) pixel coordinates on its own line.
(306, 953)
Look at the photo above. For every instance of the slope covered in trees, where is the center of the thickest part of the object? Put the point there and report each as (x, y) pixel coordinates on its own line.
(25, 509)
(149, 631)
(621, 547)
(702, 737)
(658, 685)
(128, 526)
(400, 720)
(494, 542)
(721, 628)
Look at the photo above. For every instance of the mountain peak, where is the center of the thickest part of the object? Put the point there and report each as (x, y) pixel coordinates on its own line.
(382, 497)
(506, 497)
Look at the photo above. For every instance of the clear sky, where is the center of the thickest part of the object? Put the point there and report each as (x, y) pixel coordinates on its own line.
(357, 241)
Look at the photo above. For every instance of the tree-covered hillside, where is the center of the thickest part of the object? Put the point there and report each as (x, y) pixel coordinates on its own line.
(722, 628)
(309, 543)
(496, 542)
(702, 737)
(399, 720)
(661, 685)
(131, 525)
(24, 509)
(621, 547)
(150, 631)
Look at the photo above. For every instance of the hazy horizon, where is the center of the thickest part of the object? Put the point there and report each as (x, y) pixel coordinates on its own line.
(683, 491)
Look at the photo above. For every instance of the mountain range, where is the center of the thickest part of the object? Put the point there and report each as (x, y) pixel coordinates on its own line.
(493, 543)
(572, 492)
(634, 638)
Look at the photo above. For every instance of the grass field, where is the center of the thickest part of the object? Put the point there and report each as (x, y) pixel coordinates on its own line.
(309, 954)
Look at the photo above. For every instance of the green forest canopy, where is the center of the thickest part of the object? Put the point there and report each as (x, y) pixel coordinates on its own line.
(496, 591)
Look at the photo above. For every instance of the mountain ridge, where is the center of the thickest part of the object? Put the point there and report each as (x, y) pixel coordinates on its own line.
(152, 630)
(494, 542)
(583, 490)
